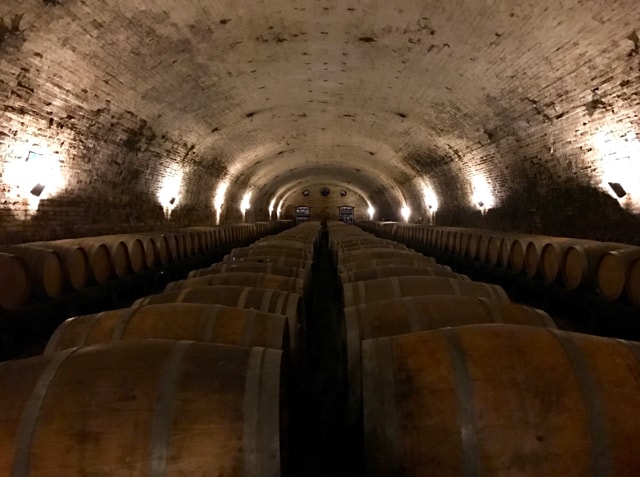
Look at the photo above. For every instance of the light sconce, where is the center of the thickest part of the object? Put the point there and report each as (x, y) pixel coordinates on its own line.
(37, 189)
(617, 189)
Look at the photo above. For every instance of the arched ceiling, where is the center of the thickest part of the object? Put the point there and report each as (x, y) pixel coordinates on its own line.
(387, 96)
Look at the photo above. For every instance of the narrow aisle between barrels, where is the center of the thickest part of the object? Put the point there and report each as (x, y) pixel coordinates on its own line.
(321, 446)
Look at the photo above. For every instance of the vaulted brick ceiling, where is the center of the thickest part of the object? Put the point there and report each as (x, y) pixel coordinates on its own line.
(386, 97)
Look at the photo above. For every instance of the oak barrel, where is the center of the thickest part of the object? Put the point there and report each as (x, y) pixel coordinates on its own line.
(612, 272)
(581, 261)
(372, 291)
(261, 299)
(397, 271)
(260, 280)
(153, 407)
(422, 313)
(176, 321)
(45, 267)
(501, 401)
(15, 282)
(295, 271)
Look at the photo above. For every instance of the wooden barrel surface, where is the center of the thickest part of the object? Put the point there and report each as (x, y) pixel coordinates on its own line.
(176, 321)
(501, 401)
(260, 280)
(422, 313)
(372, 291)
(276, 260)
(632, 286)
(295, 253)
(75, 259)
(367, 255)
(45, 267)
(411, 260)
(255, 267)
(612, 272)
(580, 263)
(261, 299)
(15, 282)
(153, 407)
(272, 242)
(397, 271)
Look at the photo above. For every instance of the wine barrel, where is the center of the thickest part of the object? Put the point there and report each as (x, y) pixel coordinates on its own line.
(372, 291)
(276, 260)
(612, 272)
(76, 261)
(367, 255)
(176, 321)
(632, 285)
(172, 247)
(422, 313)
(517, 253)
(15, 282)
(580, 263)
(261, 299)
(153, 407)
(397, 271)
(494, 250)
(554, 254)
(284, 243)
(293, 271)
(533, 255)
(407, 261)
(45, 267)
(99, 258)
(238, 253)
(501, 400)
(260, 280)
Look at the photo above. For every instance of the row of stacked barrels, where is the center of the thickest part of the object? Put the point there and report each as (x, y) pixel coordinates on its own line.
(447, 377)
(611, 269)
(46, 270)
(192, 381)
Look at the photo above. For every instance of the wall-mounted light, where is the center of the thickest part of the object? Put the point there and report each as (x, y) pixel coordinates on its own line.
(37, 190)
(245, 204)
(31, 172)
(305, 193)
(343, 193)
(279, 210)
(325, 191)
(619, 149)
(272, 206)
(372, 212)
(482, 197)
(169, 193)
(218, 199)
(617, 189)
(405, 212)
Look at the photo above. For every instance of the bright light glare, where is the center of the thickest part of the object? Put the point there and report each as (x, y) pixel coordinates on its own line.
(32, 173)
(279, 210)
(482, 196)
(620, 163)
(372, 212)
(272, 205)
(430, 199)
(246, 203)
(218, 200)
(405, 212)
(169, 193)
